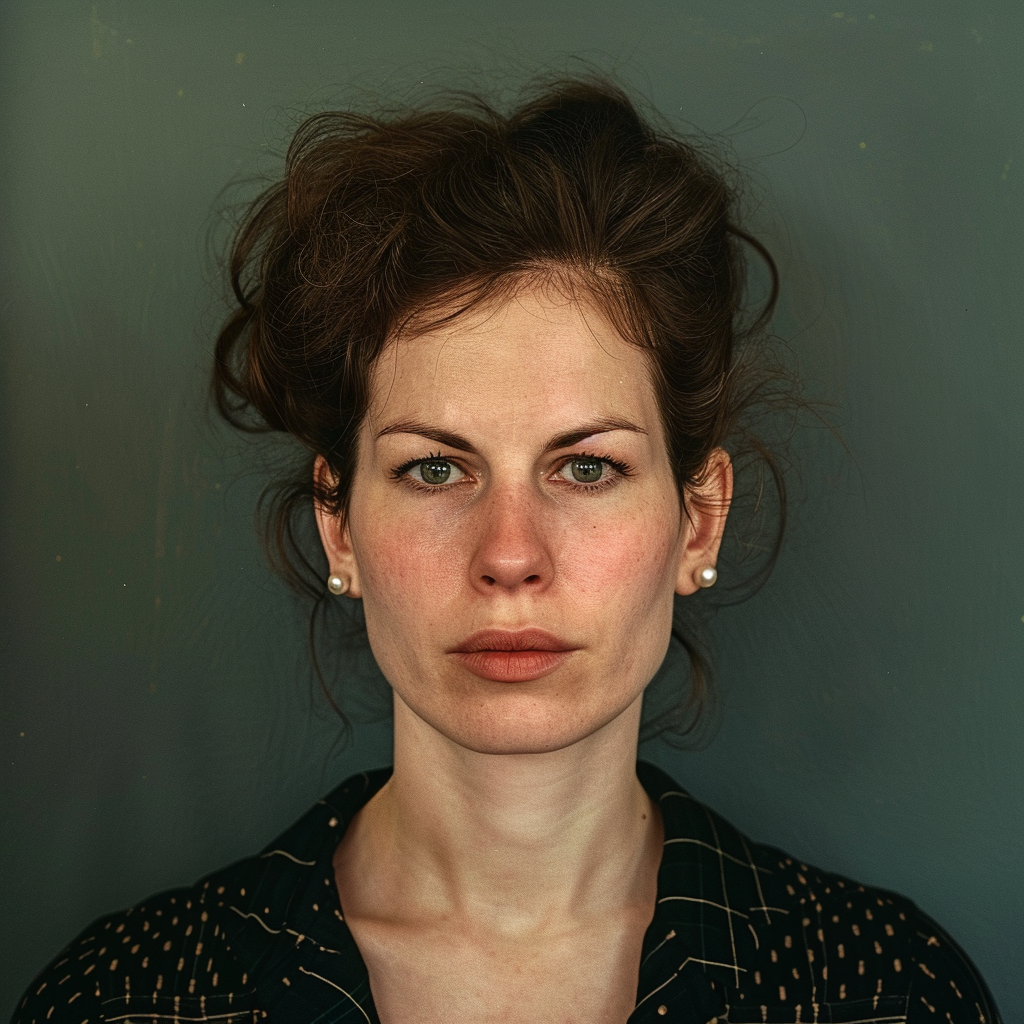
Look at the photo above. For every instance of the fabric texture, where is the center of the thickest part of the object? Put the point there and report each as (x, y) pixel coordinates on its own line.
(741, 934)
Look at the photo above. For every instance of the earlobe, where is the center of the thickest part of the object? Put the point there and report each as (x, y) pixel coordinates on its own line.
(343, 574)
(708, 507)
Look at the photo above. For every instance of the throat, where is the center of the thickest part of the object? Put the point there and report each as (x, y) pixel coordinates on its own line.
(516, 868)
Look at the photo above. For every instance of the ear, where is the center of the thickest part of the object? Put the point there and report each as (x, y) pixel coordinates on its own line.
(334, 534)
(702, 530)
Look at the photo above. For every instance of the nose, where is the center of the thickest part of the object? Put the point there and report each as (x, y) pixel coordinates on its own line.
(510, 552)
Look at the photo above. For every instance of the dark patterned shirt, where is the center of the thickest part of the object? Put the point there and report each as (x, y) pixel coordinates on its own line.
(741, 933)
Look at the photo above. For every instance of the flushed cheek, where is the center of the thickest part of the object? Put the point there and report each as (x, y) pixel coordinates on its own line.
(618, 556)
(624, 580)
(407, 569)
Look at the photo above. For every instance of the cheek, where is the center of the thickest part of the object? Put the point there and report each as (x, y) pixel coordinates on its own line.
(623, 579)
(408, 565)
(634, 555)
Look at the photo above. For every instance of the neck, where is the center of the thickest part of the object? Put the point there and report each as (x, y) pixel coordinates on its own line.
(524, 841)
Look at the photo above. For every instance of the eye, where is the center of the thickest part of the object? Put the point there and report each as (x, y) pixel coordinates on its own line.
(583, 470)
(435, 471)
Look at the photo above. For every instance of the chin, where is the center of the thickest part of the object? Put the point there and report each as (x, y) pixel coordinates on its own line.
(537, 728)
(520, 741)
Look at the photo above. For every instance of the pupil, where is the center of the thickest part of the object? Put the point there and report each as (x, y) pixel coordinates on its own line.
(587, 471)
(435, 472)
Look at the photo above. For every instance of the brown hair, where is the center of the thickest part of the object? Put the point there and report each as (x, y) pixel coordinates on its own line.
(381, 223)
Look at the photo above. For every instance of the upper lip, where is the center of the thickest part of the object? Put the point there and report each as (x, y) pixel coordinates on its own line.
(511, 640)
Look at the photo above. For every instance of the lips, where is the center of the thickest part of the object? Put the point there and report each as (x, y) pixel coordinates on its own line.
(511, 640)
(512, 656)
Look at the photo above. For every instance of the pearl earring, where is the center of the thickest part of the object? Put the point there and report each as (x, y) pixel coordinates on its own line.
(337, 585)
(706, 577)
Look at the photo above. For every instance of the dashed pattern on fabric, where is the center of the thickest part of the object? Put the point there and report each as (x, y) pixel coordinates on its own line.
(741, 934)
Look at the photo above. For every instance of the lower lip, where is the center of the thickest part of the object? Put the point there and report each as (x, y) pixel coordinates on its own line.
(512, 666)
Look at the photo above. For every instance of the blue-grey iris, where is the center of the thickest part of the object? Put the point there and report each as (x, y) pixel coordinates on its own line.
(435, 471)
(587, 471)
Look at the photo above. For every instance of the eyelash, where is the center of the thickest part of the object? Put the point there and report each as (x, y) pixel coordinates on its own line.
(399, 472)
(621, 470)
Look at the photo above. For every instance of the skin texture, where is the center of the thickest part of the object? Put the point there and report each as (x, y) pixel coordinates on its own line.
(507, 871)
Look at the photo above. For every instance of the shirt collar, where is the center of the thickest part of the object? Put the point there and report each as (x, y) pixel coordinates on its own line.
(284, 920)
(709, 888)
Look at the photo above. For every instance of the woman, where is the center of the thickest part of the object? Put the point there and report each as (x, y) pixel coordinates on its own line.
(512, 347)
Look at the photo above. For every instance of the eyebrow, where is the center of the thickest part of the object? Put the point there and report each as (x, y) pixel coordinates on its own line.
(603, 425)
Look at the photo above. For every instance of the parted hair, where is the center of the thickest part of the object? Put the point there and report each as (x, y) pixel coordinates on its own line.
(383, 225)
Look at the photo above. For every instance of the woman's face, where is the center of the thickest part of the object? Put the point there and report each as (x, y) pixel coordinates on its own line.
(514, 527)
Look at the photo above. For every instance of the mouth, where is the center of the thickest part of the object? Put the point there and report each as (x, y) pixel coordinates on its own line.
(512, 656)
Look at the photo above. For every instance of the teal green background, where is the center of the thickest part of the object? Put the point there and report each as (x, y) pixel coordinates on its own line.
(155, 717)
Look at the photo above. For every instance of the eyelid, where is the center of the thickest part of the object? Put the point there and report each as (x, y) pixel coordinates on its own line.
(621, 469)
(403, 471)
(447, 483)
(608, 460)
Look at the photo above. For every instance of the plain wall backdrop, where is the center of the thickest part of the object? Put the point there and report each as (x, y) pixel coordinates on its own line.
(155, 716)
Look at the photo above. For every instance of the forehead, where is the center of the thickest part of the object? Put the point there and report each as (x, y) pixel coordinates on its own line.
(532, 362)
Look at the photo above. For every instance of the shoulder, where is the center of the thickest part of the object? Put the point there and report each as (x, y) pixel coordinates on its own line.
(168, 955)
(790, 941)
(826, 940)
(198, 952)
